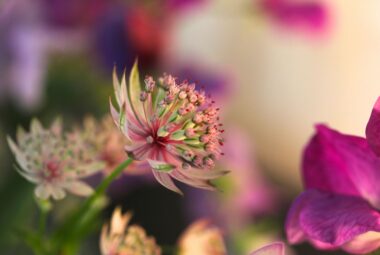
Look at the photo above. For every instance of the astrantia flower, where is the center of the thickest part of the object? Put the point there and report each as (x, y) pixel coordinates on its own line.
(53, 161)
(173, 127)
(121, 239)
(105, 142)
(341, 205)
(201, 238)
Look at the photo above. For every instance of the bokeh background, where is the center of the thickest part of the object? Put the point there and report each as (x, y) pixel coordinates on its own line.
(276, 67)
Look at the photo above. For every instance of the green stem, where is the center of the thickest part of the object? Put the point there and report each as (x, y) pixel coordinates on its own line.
(42, 223)
(44, 207)
(73, 225)
(101, 189)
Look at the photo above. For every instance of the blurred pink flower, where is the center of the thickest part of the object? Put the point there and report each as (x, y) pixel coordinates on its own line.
(174, 128)
(252, 194)
(307, 15)
(53, 161)
(340, 206)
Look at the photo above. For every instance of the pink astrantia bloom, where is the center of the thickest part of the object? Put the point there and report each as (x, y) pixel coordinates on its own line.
(120, 239)
(105, 140)
(201, 238)
(173, 127)
(53, 161)
(340, 207)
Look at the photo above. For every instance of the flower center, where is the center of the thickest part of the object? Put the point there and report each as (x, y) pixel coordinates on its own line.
(52, 171)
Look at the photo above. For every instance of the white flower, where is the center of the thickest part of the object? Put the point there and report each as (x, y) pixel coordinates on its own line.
(53, 161)
(121, 239)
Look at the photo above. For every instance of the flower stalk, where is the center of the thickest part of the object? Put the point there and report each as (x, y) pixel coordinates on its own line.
(66, 233)
(44, 208)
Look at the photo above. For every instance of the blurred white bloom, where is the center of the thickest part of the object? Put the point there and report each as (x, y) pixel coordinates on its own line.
(121, 239)
(201, 238)
(53, 161)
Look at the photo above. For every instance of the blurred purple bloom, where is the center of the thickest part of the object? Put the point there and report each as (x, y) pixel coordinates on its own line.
(125, 32)
(340, 207)
(24, 51)
(22, 57)
(72, 13)
(184, 4)
(215, 83)
(308, 15)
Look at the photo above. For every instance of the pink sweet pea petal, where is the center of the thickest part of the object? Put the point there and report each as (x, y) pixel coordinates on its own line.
(342, 164)
(310, 16)
(373, 128)
(330, 221)
(271, 249)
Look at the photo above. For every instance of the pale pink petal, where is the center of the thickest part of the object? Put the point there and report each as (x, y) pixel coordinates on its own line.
(78, 188)
(43, 191)
(57, 192)
(364, 243)
(271, 249)
(20, 157)
(198, 183)
(36, 127)
(166, 181)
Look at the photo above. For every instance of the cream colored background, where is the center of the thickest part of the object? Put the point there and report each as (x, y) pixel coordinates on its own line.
(289, 81)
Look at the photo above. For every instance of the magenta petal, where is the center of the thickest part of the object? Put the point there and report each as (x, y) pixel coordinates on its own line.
(329, 221)
(373, 128)
(342, 164)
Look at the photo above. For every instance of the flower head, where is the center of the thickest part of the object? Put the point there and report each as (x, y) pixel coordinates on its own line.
(201, 238)
(121, 239)
(340, 207)
(104, 141)
(173, 127)
(53, 161)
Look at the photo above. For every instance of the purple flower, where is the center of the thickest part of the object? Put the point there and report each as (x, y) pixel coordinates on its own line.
(307, 15)
(217, 83)
(340, 206)
(177, 5)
